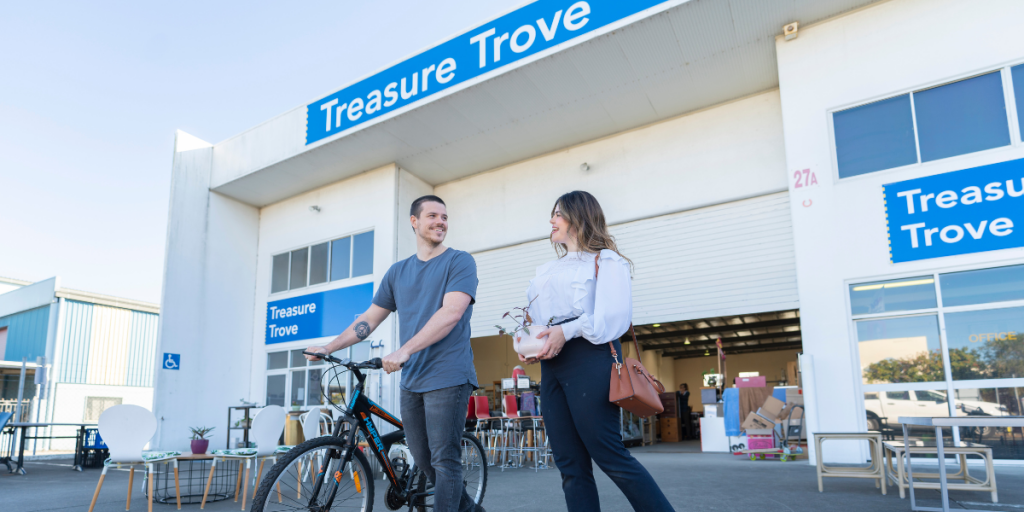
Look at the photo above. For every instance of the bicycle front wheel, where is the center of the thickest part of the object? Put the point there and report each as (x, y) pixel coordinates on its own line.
(311, 476)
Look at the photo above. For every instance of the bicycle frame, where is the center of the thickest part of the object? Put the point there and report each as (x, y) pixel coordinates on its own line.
(360, 415)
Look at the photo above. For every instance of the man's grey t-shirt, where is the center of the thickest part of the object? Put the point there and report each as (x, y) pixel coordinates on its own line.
(416, 289)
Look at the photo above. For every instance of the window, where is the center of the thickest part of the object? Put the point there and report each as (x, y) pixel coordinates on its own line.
(362, 254)
(279, 279)
(901, 346)
(902, 349)
(875, 136)
(343, 258)
(95, 405)
(983, 286)
(1017, 73)
(898, 295)
(962, 117)
(275, 390)
(952, 119)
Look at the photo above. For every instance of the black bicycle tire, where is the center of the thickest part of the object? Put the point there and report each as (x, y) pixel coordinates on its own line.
(479, 447)
(260, 500)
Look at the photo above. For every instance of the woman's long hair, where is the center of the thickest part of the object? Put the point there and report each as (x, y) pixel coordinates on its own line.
(585, 216)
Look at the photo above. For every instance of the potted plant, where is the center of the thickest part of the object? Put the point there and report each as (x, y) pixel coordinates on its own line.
(199, 441)
(524, 341)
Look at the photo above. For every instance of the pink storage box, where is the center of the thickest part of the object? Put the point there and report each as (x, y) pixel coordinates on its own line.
(751, 382)
(760, 442)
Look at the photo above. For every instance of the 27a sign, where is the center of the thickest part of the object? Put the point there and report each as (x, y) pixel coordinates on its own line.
(962, 212)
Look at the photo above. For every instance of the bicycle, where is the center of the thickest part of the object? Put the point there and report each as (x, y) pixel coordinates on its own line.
(344, 479)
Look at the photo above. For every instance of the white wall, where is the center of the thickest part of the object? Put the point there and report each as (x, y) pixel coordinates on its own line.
(841, 234)
(721, 154)
(208, 296)
(357, 204)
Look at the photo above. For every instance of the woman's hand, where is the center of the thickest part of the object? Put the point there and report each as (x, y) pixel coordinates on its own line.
(528, 360)
(553, 345)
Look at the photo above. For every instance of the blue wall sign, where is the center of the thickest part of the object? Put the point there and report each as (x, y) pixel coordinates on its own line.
(961, 212)
(171, 361)
(514, 36)
(316, 315)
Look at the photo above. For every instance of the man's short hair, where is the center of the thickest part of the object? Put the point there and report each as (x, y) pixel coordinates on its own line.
(417, 205)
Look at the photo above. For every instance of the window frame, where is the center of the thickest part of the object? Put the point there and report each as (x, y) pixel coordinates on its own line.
(287, 372)
(949, 386)
(340, 283)
(1009, 102)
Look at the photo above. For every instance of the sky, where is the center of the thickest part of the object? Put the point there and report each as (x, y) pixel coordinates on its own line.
(91, 94)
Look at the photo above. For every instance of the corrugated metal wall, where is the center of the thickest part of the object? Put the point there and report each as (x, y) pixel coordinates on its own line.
(105, 345)
(26, 334)
(729, 259)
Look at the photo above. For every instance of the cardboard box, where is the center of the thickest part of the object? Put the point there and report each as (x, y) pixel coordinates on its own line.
(751, 382)
(771, 409)
(754, 421)
(792, 372)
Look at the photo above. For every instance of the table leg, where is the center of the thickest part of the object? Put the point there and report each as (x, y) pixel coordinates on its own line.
(942, 470)
(21, 452)
(238, 482)
(910, 467)
(79, 448)
(177, 487)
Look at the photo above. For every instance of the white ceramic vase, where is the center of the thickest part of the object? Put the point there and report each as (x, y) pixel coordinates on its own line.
(527, 344)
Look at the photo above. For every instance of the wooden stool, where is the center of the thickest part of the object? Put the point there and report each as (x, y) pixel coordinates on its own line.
(898, 476)
(875, 471)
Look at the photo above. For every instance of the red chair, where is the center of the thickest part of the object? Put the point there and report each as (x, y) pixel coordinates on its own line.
(493, 437)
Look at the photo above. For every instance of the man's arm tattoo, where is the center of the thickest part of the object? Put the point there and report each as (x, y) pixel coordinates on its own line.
(362, 330)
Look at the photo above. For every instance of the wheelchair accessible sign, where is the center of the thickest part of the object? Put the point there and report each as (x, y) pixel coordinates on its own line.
(962, 212)
(172, 361)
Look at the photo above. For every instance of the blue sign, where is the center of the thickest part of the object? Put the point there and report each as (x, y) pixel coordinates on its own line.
(316, 315)
(961, 212)
(519, 34)
(172, 361)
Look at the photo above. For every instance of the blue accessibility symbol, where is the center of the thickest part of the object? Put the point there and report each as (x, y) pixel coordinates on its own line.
(172, 361)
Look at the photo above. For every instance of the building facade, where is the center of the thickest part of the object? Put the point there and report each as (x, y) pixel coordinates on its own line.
(97, 351)
(755, 178)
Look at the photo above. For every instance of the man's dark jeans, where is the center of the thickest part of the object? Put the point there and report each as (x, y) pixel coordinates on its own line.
(434, 422)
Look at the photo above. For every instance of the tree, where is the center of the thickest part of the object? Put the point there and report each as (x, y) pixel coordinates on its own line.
(926, 367)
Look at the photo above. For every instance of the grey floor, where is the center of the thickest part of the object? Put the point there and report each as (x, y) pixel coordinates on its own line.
(691, 480)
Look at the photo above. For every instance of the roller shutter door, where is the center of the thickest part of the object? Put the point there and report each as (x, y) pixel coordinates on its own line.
(729, 259)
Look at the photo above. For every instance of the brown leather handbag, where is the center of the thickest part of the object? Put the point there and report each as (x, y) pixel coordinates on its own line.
(632, 387)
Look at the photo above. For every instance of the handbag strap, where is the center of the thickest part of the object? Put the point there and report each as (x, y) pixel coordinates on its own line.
(615, 355)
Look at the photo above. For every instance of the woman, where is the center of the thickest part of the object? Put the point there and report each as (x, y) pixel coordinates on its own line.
(587, 312)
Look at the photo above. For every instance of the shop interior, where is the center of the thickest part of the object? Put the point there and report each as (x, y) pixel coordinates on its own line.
(764, 345)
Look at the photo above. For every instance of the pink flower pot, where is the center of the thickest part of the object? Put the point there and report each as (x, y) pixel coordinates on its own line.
(527, 344)
(199, 446)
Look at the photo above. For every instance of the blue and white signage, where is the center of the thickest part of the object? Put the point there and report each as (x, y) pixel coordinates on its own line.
(961, 212)
(317, 314)
(172, 361)
(526, 31)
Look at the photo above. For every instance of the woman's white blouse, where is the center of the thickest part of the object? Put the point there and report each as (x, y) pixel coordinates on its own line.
(566, 288)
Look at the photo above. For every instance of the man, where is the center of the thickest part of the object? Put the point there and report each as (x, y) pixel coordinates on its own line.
(433, 292)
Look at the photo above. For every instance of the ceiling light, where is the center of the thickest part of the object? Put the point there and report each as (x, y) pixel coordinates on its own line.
(687, 342)
(656, 325)
(706, 352)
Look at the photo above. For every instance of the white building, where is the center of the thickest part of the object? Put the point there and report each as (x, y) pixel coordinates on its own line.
(97, 351)
(750, 176)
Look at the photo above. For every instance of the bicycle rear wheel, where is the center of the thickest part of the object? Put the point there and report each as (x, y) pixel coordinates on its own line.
(308, 476)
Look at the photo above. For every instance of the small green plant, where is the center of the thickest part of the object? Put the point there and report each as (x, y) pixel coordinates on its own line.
(201, 432)
(523, 320)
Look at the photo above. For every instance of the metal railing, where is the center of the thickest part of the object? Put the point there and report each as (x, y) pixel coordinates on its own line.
(11, 405)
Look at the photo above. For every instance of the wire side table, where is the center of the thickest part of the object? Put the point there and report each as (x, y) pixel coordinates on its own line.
(192, 473)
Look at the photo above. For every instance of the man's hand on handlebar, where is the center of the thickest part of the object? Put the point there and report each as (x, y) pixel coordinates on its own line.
(320, 350)
(394, 361)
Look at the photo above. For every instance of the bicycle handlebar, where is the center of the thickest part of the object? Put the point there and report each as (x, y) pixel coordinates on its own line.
(372, 364)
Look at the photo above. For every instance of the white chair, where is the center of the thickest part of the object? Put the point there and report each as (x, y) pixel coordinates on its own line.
(126, 429)
(311, 424)
(267, 427)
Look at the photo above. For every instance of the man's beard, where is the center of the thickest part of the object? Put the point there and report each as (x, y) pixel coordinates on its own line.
(426, 237)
